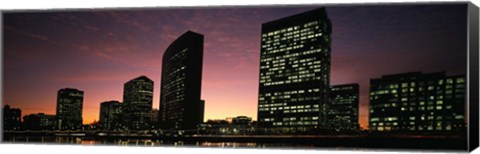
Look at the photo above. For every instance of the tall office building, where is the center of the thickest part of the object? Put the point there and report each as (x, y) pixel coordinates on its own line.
(137, 103)
(295, 72)
(69, 109)
(11, 118)
(110, 115)
(180, 105)
(39, 121)
(343, 108)
(418, 103)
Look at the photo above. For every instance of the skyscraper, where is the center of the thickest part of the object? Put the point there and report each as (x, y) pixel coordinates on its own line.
(295, 72)
(180, 104)
(137, 103)
(343, 107)
(110, 113)
(418, 103)
(69, 109)
(11, 118)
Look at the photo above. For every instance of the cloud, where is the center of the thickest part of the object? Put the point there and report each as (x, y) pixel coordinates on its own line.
(116, 45)
(31, 35)
(128, 20)
(91, 27)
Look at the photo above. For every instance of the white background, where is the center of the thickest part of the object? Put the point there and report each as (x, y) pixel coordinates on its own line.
(74, 149)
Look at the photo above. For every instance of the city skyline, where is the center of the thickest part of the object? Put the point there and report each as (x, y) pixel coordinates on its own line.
(222, 88)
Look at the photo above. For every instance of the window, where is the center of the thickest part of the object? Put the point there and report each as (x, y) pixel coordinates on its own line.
(430, 88)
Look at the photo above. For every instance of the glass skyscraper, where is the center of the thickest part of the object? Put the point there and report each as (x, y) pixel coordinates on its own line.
(137, 103)
(110, 115)
(418, 103)
(180, 105)
(69, 109)
(295, 72)
(343, 107)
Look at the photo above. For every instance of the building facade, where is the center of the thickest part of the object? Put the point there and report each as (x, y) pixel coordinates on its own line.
(343, 108)
(295, 72)
(154, 118)
(11, 118)
(241, 120)
(418, 103)
(137, 103)
(69, 109)
(110, 115)
(231, 125)
(180, 105)
(39, 121)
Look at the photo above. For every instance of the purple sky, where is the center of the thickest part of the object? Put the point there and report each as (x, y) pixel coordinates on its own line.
(98, 51)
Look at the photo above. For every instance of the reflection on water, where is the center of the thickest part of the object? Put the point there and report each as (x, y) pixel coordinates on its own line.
(133, 142)
(227, 144)
(273, 142)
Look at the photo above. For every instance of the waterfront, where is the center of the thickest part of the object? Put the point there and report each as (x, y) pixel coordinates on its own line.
(291, 83)
(254, 141)
(146, 142)
(120, 142)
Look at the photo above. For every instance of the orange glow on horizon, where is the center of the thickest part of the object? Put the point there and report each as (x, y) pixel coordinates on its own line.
(111, 47)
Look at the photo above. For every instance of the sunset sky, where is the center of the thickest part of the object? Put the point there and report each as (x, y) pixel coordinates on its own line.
(97, 51)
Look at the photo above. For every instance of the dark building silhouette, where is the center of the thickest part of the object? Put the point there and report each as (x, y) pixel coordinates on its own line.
(230, 125)
(214, 126)
(295, 72)
(137, 103)
(241, 125)
(201, 113)
(69, 109)
(110, 115)
(180, 105)
(241, 120)
(343, 107)
(39, 121)
(412, 103)
(95, 125)
(11, 118)
(154, 118)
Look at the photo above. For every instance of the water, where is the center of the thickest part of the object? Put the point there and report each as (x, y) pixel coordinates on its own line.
(143, 142)
(290, 142)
